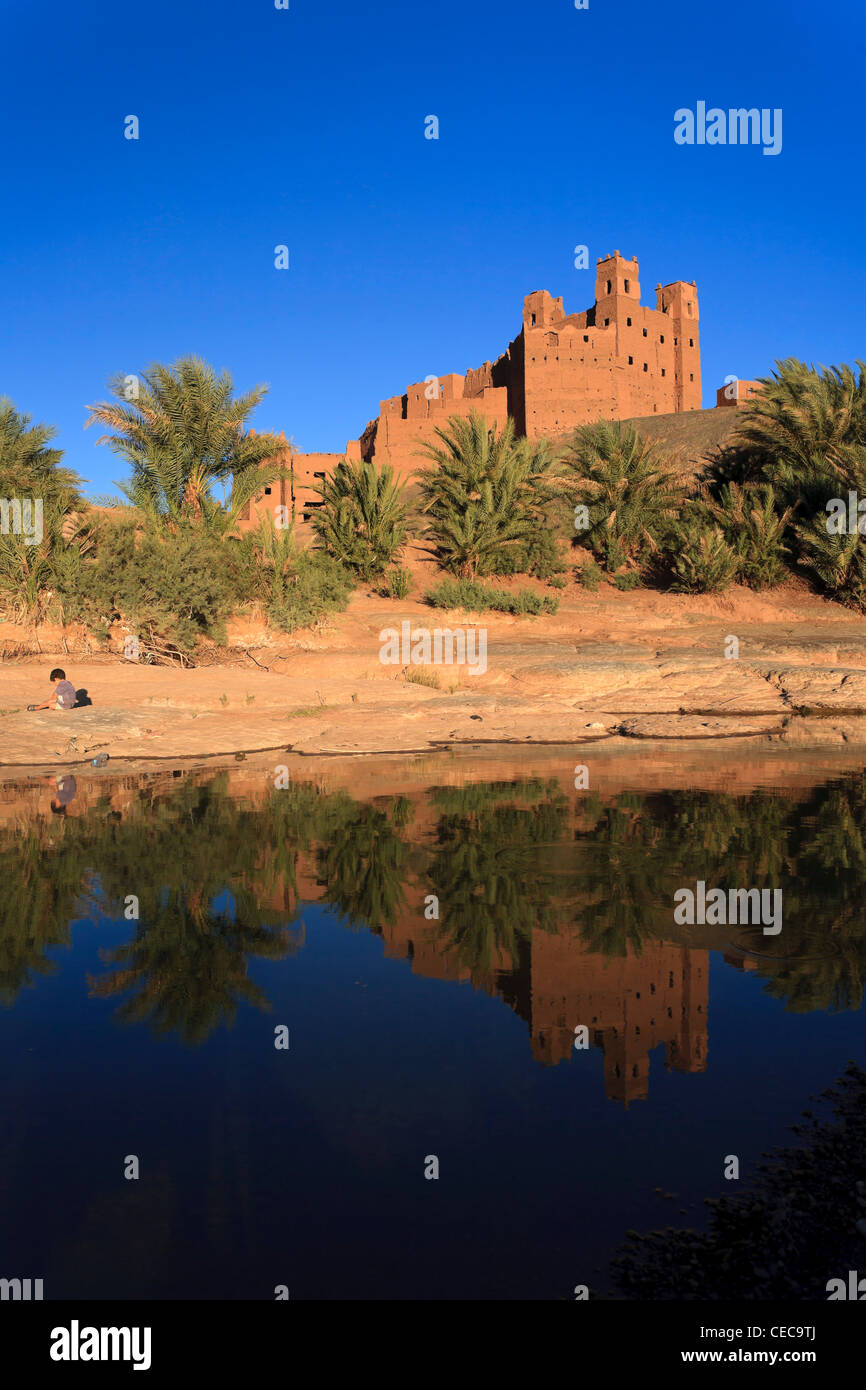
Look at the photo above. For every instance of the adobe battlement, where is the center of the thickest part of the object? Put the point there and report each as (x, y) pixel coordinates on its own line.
(615, 360)
(612, 361)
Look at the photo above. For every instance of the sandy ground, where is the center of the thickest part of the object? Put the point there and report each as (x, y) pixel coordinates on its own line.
(608, 665)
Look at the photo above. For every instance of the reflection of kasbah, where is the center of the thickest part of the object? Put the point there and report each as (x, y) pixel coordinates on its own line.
(629, 1003)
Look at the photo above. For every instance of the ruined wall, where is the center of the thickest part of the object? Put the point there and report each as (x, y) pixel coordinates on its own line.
(296, 493)
(740, 392)
(408, 422)
(276, 494)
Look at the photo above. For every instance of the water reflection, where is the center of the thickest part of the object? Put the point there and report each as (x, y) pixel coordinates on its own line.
(559, 905)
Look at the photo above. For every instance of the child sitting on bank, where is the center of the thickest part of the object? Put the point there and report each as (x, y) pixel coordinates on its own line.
(62, 697)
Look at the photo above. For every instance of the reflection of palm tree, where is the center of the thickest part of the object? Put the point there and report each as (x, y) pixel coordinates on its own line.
(501, 867)
(489, 874)
(35, 905)
(364, 865)
(819, 959)
(831, 983)
(295, 819)
(624, 875)
(187, 968)
(641, 848)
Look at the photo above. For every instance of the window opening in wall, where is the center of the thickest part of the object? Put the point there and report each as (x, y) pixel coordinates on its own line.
(631, 361)
(628, 323)
(606, 322)
(608, 287)
(533, 320)
(645, 367)
(644, 332)
(625, 282)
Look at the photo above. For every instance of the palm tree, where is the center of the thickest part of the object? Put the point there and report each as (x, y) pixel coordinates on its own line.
(800, 418)
(752, 527)
(181, 432)
(836, 560)
(630, 493)
(30, 471)
(363, 520)
(36, 576)
(28, 465)
(486, 492)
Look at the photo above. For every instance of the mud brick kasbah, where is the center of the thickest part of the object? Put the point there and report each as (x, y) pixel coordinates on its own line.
(614, 361)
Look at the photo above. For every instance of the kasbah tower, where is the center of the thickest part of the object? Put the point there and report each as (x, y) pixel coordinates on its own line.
(614, 361)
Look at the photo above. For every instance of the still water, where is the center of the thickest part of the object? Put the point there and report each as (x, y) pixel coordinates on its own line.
(412, 1036)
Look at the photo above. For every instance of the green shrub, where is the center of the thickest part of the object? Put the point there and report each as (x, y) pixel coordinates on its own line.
(295, 587)
(557, 581)
(398, 583)
(314, 586)
(482, 598)
(459, 593)
(538, 555)
(703, 561)
(837, 560)
(525, 601)
(589, 575)
(170, 589)
(753, 528)
(628, 581)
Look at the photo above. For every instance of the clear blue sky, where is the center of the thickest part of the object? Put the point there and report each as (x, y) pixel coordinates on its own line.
(409, 256)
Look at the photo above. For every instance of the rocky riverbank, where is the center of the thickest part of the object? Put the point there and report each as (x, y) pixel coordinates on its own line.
(611, 666)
